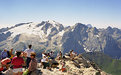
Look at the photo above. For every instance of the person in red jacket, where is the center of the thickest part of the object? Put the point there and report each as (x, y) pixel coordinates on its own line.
(6, 62)
(17, 63)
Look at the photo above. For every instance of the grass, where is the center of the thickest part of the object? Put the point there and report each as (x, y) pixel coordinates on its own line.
(106, 63)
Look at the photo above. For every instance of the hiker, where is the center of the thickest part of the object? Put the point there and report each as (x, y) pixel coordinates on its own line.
(1, 68)
(28, 51)
(59, 55)
(32, 64)
(11, 53)
(51, 55)
(48, 55)
(8, 52)
(45, 62)
(4, 54)
(24, 56)
(6, 62)
(72, 54)
(17, 63)
(43, 54)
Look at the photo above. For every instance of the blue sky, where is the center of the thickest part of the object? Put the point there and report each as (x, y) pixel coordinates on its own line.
(99, 13)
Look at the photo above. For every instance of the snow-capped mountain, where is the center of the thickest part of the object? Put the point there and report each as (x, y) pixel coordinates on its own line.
(43, 29)
(51, 35)
(89, 25)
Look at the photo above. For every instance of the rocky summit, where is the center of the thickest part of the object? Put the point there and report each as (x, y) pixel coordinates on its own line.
(78, 66)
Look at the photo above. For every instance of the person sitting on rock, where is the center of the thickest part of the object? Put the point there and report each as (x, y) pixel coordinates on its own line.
(59, 55)
(32, 64)
(1, 67)
(51, 55)
(24, 56)
(5, 63)
(11, 53)
(17, 63)
(28, 51)
(43, 54)
(72, 54)
(45, 62)
(4, 54)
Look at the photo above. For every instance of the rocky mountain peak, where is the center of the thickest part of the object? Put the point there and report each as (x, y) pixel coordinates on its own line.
(89, 25)
(51, 35)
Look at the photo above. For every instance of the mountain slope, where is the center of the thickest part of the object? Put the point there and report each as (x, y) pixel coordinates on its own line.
(51, 35)
(106, 63)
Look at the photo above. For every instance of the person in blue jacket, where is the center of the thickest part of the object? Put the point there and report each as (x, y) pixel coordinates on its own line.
(4, 54)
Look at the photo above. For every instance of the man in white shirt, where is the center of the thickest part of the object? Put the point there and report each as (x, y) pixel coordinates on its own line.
(28, 52)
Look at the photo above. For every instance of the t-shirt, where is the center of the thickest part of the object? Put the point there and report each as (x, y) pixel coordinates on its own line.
(17, 62)
(5, 61)
(43, 55)
(29, 51)
(44, 59)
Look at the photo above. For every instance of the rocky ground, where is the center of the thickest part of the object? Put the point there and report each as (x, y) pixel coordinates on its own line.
(78, 66)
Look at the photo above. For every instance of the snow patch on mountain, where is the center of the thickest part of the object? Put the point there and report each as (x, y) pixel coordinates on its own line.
(43, 29)
(61, 33)
(89, 25)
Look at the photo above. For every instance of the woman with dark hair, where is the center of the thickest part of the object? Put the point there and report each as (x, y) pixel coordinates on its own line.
(17, 63)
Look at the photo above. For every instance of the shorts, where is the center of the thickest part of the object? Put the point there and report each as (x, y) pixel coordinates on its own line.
(16, 70)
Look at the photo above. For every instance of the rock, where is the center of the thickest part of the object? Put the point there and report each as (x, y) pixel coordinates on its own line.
(78, 66)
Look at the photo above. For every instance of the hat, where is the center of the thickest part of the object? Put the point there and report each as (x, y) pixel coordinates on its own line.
(33, 54)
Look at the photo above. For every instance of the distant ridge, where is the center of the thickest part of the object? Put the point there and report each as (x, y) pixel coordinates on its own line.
(51, 35)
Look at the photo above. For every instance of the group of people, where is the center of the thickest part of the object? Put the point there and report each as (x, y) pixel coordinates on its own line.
(25, 61)
(18, 61)
(48, 59)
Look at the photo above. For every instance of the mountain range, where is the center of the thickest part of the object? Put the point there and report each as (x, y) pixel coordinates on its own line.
(51, 35)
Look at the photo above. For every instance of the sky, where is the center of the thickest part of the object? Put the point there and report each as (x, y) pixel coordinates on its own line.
(98, 13)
